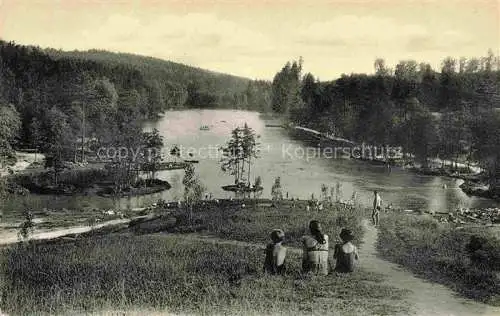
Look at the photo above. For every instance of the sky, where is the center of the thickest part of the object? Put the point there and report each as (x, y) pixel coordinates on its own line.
(256, 38)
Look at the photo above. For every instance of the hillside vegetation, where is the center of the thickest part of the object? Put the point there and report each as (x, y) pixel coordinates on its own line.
(452, 113)
(52, 97)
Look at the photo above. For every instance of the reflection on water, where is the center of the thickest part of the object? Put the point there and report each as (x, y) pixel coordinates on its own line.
(300, 177)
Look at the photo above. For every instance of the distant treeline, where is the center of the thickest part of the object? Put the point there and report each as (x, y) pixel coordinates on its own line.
(50, 97)
(183, 86)
(453, 113)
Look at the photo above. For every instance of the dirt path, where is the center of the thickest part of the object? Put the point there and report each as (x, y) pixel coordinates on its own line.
(10, 237)
(426, 297)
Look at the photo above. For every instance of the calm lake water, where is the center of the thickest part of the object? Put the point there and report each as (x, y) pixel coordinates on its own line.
(300, 176)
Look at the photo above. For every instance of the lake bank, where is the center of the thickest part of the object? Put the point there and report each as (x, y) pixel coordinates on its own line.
(90, 180)
(300, 176)
(470, 174)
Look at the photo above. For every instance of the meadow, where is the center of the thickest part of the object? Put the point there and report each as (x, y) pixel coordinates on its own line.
(444, 254)
(145, 268)
(253, 220)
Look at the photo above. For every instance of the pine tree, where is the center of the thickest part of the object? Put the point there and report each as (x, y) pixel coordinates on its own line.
(239, 153)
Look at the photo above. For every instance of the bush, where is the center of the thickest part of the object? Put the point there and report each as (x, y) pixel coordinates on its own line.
(484, 252)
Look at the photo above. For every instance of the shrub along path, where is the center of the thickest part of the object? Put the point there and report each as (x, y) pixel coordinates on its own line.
(426, 298)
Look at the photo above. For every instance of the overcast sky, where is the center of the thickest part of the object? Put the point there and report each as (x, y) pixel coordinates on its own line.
(255, 38)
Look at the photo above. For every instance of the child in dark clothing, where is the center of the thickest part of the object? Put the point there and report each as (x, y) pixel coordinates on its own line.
(275, 253)
(346, 253)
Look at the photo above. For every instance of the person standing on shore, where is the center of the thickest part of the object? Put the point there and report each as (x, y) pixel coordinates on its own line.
(339, 192)
(377, 206)
(354, 197)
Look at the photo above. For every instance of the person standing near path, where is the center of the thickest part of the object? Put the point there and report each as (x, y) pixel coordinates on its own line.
(339, 192)
(354, 198)
(315, 250)
(377, 206)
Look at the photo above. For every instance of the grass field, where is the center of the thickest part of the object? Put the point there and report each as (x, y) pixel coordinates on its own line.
(144, 272)
(254, 222)
(439, 253)
(179, 276)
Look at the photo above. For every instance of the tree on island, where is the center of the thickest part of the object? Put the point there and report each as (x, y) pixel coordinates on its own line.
(237, 158)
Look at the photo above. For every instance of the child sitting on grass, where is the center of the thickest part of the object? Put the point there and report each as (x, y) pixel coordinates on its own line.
(346, 253)
(275, 253)
(315, 250)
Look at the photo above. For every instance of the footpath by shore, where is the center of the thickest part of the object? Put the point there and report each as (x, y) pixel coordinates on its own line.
(474, 182)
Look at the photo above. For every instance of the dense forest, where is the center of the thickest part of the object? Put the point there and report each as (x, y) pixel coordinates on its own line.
(50, 98)
(453, 113)
(183, 86)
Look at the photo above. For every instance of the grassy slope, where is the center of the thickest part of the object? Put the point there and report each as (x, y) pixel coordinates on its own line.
(177, 276)
(254, 223)
(158, 272)
(438, 253)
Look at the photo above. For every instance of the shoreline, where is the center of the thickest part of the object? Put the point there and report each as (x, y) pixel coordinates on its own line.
(96, 190)
(158, 210)
(20, 182)
(141, 191)
(446, 169)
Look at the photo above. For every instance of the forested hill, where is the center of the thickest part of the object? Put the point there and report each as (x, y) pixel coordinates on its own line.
(175, 80)
(50, 87)
(451, 113)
